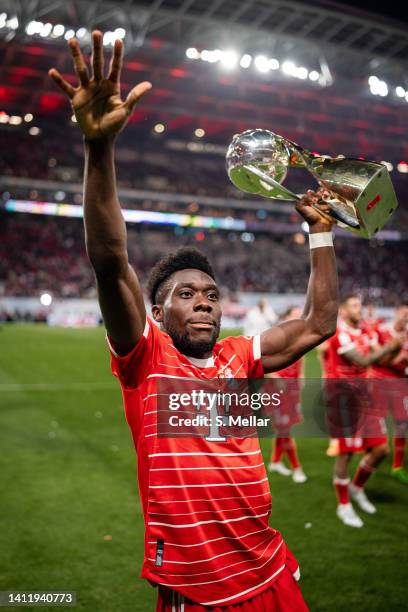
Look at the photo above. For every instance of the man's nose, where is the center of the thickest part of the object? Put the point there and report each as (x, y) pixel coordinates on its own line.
(202, 304)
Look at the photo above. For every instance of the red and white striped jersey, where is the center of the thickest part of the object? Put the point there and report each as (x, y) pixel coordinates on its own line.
(206, 504)
(385, 333)
(346, 339)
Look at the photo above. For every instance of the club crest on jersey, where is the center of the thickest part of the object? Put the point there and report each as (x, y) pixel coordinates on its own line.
(225, 373)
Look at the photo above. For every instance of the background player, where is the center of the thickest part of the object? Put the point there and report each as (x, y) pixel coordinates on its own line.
(288, 414)
(259, 318)
(350, 352)
(188, 555)
(391, 394)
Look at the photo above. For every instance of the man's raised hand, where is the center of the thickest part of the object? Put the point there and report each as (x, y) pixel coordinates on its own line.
(315, 210)
(96, 102)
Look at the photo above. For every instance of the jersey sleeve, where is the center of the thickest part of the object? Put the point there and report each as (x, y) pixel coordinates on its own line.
(133, 368)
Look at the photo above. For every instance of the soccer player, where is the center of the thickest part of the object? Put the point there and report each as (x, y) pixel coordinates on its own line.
(288, 414)
(392, 394)
(260, 317)
(206, 504)
(370, 322)
(350, 353)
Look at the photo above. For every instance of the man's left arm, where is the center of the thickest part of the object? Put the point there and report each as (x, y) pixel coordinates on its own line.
(283, 344)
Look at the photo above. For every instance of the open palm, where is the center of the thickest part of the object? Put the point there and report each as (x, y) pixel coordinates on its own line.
(96, 102)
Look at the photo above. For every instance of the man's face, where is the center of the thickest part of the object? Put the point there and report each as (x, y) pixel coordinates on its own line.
(352, 310)
(191, 312)
(263, 305)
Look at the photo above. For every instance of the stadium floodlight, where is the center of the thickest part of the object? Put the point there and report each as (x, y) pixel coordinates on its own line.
(120, 33)
(45, 299)
(15, 120)
(192, 53)
(274, 64)
(69, 34)
(12, 23)
(199, 132)
(3, 19)
(377, 87)
(46, 30)
(229, 59)
(58, 30)
(400, 91)
(402, 167)
(28, 117)
(82, 32)
(301, 72)
(314, 75)
(159, 128)
(4, 118)
(383, 89)
(211, 55)
(108, 38)
(406, 96)
(73, 119)
(245, 60)
(34, 131)
(262, 63)
(289, 68)
(33, 27)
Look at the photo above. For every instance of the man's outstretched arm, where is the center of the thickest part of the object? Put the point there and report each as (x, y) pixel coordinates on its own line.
(101, 115)
(283, 344)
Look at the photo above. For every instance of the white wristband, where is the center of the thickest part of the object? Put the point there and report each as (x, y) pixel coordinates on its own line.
(322, 239)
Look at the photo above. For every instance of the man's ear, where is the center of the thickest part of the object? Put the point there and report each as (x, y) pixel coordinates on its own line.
(157, 313)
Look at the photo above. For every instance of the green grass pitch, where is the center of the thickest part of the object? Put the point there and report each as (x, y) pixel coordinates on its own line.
(70, 517)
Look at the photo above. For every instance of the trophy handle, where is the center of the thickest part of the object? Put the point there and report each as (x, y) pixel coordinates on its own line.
(270, 181)
(291, 195)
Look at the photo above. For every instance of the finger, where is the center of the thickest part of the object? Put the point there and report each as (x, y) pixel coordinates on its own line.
(79, 62)
(136, 93)
(116, 62)
(324, 214)
(324, 209)
(97, 55)
(308, 199)
(62, 83)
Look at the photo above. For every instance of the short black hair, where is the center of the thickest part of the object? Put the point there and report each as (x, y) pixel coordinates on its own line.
(183, 258)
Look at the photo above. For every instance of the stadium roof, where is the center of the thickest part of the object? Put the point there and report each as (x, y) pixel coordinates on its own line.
(344, 47)
(250, 22)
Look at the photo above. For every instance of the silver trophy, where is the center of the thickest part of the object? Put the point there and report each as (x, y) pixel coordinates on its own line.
(362, 195)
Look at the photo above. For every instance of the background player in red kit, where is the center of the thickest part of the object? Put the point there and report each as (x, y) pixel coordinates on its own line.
(391, 395)
(206, 505)
(288, 414)
(370, 322)
(350, 353)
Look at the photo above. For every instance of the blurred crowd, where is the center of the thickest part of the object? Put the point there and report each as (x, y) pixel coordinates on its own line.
(155, 167)
(47, 254)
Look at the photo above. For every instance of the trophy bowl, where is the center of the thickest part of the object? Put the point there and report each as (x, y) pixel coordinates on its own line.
(264, 151)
